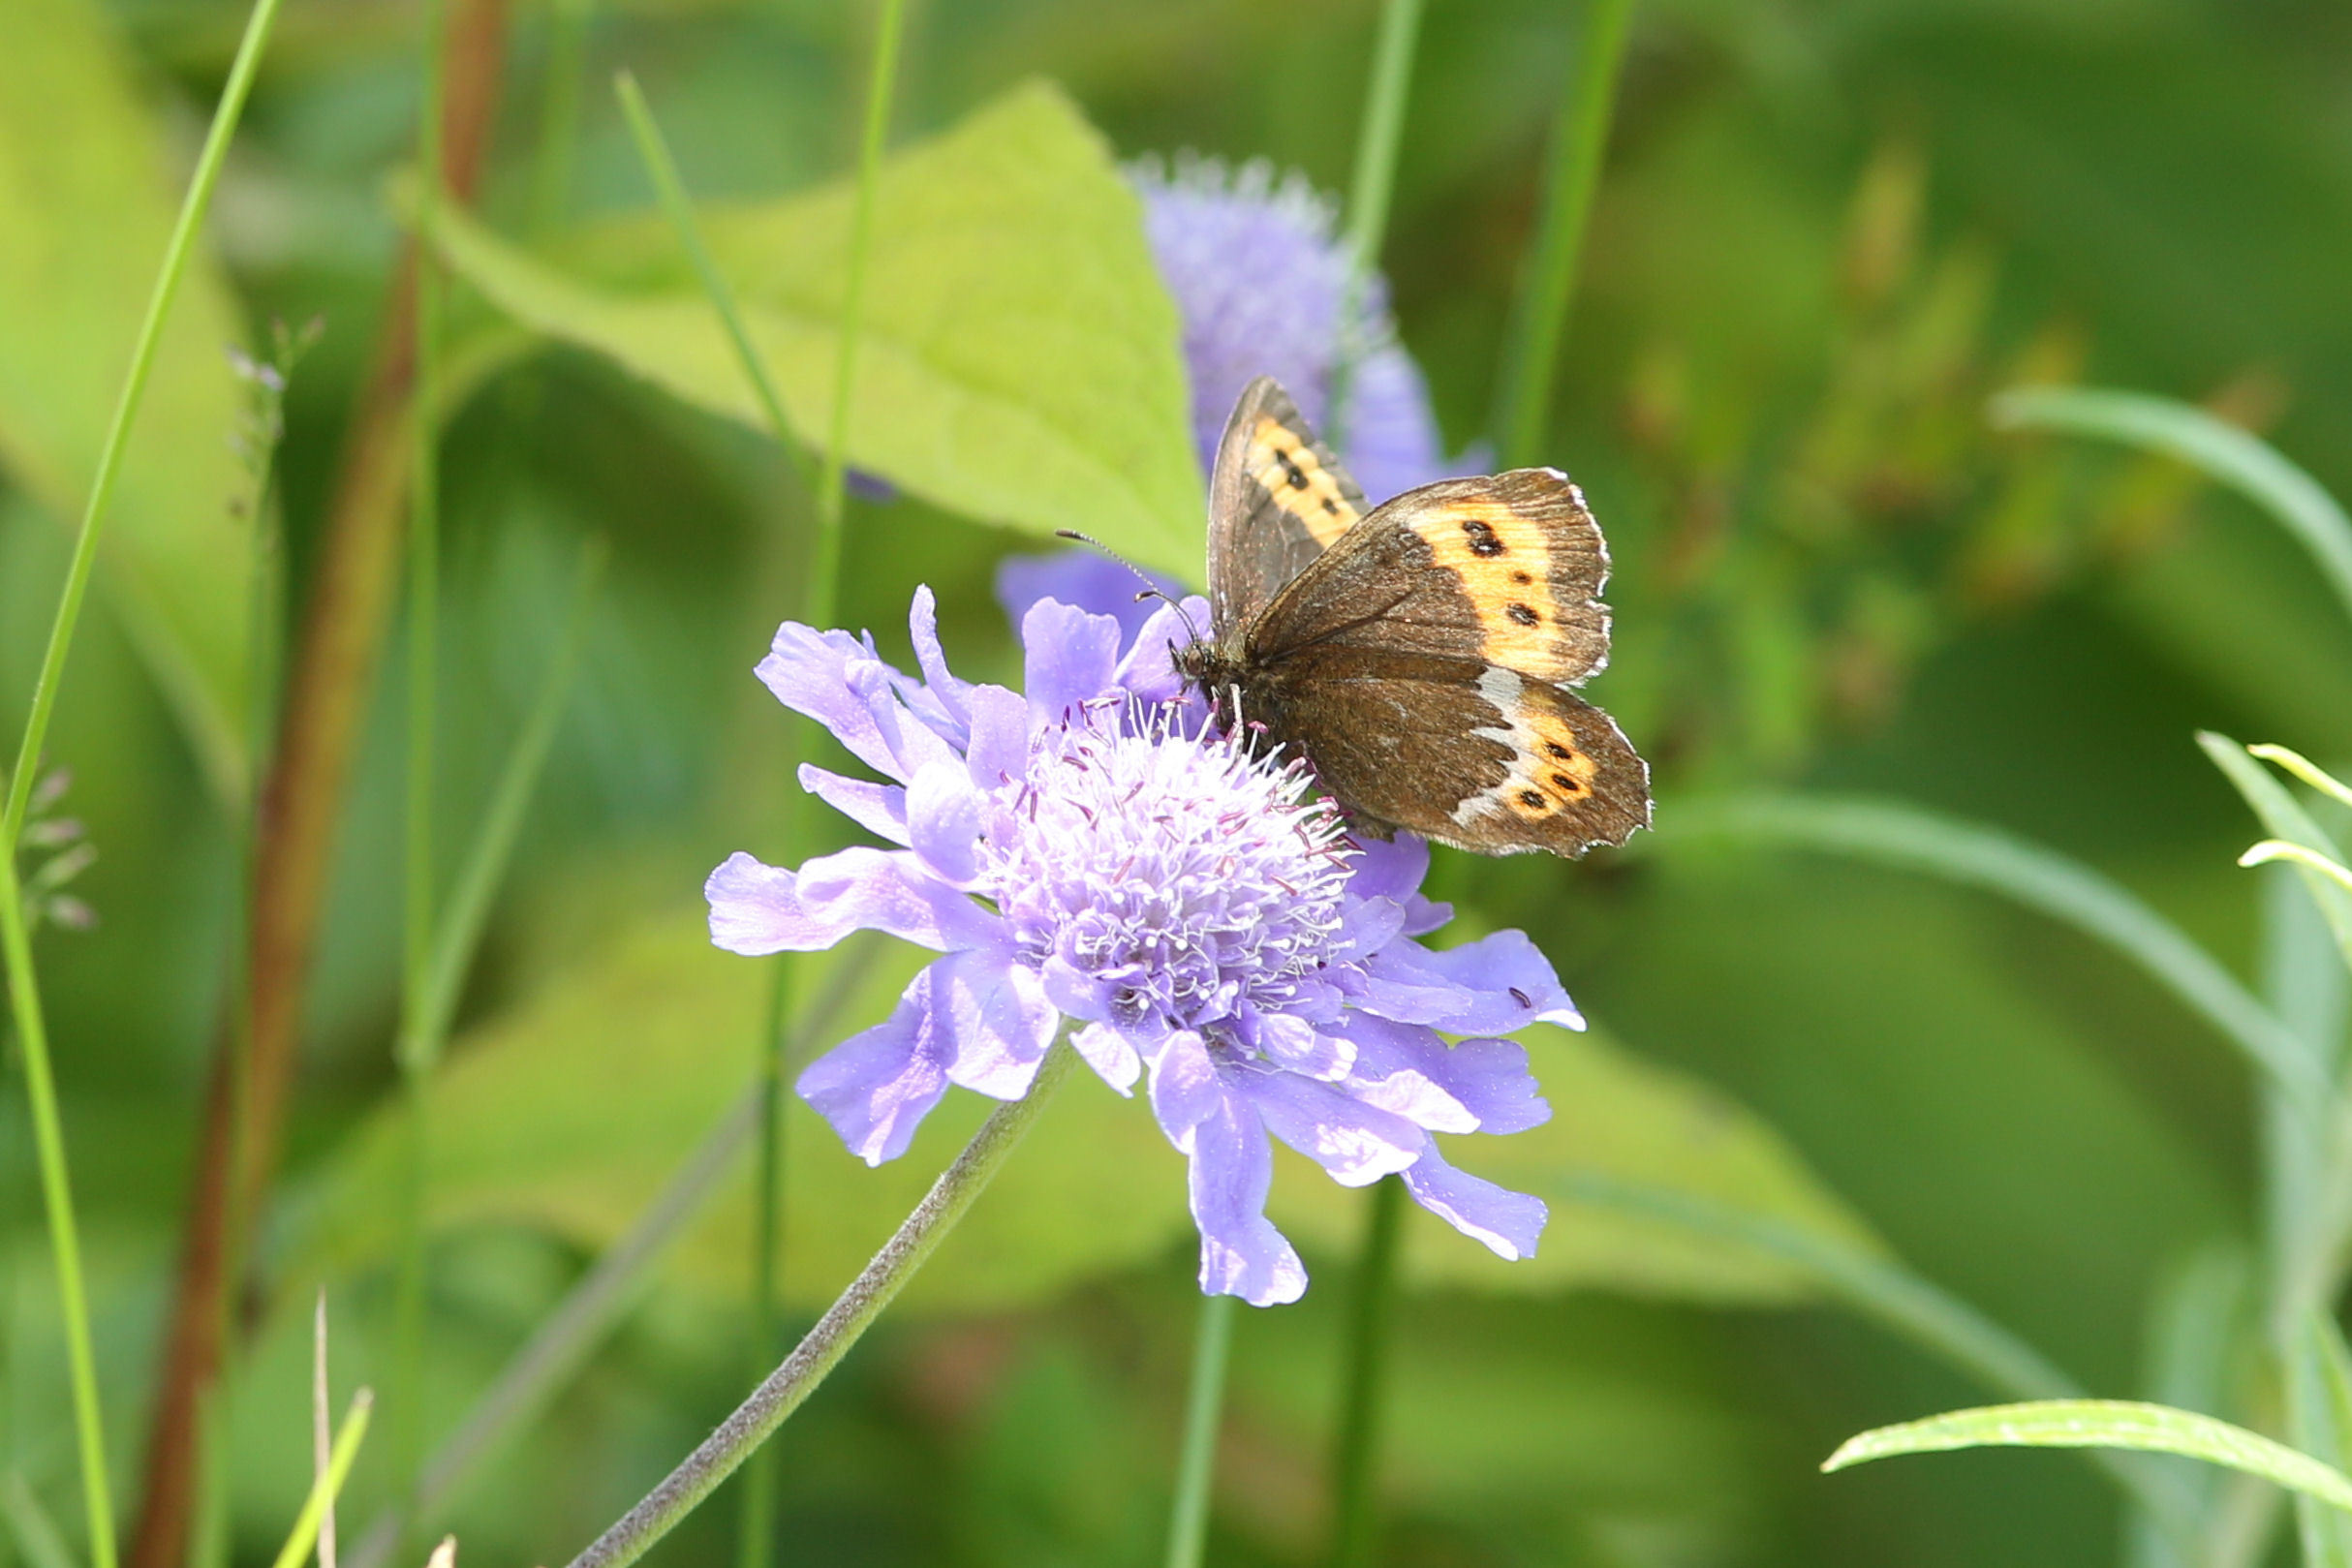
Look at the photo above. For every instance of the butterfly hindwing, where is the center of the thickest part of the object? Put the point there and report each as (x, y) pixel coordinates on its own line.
(1506, 569)
(1277, 499)
(1467, 753)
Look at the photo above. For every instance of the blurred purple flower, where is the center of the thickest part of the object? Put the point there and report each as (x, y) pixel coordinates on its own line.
(1097, 849)
(1260, 280)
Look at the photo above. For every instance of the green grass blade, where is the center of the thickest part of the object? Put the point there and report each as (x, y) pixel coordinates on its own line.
(1377, 139)
(2279, 810)
(39, 1540)
(1197, 1456)
(15, 939)
(1904, 836)
(2219, 450)
(2119, 1423)
(493, 847)
(1880, 1291)
(1540, 314)
(653, 151)
(2319, 1417)
(305, 1533)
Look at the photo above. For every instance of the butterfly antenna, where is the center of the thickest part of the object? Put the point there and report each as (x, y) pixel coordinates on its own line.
(1150, 589)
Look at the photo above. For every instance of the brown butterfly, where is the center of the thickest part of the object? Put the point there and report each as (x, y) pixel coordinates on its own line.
(1417, 654)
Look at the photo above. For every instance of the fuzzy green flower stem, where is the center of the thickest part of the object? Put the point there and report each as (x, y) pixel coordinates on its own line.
(847, 1318)
(1203, 1410)
(1368, 194)
(15, 935)
(1355, 1458)
(1580, 139)
(416, 818)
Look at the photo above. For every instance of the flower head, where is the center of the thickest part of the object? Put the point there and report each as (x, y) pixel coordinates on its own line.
(1097, 849)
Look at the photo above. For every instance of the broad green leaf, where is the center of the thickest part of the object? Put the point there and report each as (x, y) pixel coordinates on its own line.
(2220, 451)
(1894, 834)
(574, 1112)
(2154, 1429)
(1018, 361)
(86, 203)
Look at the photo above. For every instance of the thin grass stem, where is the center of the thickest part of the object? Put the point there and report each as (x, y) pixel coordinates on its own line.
(559, 113)
(322, 1498)
(821, 1349)
(1203, 1411)
(16, 938)
(1374, 181)
(416, 817)
(1580, 141)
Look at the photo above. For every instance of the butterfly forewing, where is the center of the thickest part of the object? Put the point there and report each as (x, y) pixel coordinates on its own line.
(1277, 499)
(1506, 570)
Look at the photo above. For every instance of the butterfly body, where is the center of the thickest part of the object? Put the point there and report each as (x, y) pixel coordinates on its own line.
(1418, 653)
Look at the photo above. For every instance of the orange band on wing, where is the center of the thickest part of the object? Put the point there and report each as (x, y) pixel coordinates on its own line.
(1297, 481)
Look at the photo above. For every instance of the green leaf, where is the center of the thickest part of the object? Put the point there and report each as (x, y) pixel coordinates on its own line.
(2319, 1415)
(2220, 451)
(2154, 1429)
(1904, 836)
(1019, 360)
(86, 205)
(2285, 817)
(570, 1113)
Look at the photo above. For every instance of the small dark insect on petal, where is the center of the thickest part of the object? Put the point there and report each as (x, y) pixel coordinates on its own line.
(1522, 997)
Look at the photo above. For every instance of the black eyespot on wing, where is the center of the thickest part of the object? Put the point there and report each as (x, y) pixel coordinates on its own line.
(1566, 783)
(1559, 751)
(1532, 798)
(1522, 614)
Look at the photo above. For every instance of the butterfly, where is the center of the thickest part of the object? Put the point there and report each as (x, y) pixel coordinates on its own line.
(1417, 654)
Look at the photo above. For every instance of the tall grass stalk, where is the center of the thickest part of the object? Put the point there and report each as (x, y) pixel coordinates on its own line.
(1356, 1453)
(1580, 139)
(851, 1313)
(16, 937)
(559, 113)
(1368, 193)
(416, 817)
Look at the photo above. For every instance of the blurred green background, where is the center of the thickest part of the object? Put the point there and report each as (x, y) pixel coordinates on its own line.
(1826, 234)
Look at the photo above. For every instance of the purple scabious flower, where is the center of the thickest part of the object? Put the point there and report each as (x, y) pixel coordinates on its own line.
(1260, 282)
(1097, 849)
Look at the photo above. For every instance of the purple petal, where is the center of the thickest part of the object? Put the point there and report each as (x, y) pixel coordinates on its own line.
(1514, 983)
(1241, 1253)
(876, 1087)
(1295, 1045)
(996, 1014)
(923, 627)
(1356, 1143)
(1368, 925)
(1404, 1068)
(999, 736)
(1401, 982)
(811, 674)
(1149, 670)
(1184, 1091)
(1394, 868)
(880, 809)
(756, 908)
(1109, 1053)
(1085, 578)
(1509, 1223)
(1491, 1078)
(944, 820)
(1071, 658)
